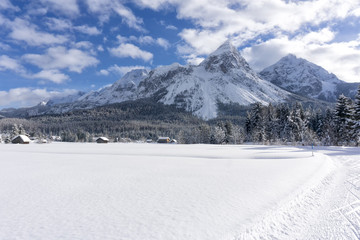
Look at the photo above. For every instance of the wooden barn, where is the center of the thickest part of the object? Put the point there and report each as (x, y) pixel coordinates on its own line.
(163, 140)
(21, 139)
(102, 140)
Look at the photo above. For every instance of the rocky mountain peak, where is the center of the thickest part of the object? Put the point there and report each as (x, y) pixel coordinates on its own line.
(305, 78)
(133, 77)
(225, 58)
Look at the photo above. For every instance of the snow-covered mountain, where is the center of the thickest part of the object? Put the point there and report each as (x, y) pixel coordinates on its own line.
(307, 79)
(122, 90)
(67, 99)
(223, 77)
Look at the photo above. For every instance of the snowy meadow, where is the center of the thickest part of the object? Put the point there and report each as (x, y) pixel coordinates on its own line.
(153, 191)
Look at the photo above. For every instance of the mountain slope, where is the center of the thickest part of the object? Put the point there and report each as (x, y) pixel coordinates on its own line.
(122, 90)
(224, 77)
(307, 79)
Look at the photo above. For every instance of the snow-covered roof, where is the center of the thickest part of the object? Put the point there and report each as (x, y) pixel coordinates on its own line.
(163, 138)
(24, 138)
(104, 138)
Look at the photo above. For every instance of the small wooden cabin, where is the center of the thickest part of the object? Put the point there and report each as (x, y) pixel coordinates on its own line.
(102, 140)
(163, 140)
(21, 139)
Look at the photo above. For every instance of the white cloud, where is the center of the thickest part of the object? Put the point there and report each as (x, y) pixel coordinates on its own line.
(130, 50)
(7, 63)
(104, 72)
(37, 11)
(52, 75)
(245, 20)
(23, 30)
(145, 40)
(83, 44)
(64, 25)
(122, 39)
(154, 4)
(119, 70)
(66, 7)
(153, 41)
(105, 8)
(193, 59)
(4, 46)
(277, 27)
(88, 30)
(58, 24)
(323, 36)
(74, 60)
(6, 4)
(163, 43)
(26, 97)
(171, 27)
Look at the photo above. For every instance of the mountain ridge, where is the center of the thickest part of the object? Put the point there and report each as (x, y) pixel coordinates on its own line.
(305, 78)
(223, 77)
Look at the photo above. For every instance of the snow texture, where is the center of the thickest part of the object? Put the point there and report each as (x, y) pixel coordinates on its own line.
(151, 191)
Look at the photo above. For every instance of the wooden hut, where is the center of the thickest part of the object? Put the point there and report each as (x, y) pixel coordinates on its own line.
(102, 140)
(21, 139)
(163, 140)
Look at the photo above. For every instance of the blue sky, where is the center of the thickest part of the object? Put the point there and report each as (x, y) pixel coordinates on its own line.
(51, 48)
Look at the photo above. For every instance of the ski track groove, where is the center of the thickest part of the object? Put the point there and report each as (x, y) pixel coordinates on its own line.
(329, 210)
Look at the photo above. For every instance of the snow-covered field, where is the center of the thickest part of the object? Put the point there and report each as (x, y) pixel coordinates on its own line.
(152, 191)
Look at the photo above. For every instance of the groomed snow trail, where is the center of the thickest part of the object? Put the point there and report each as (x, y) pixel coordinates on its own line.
(327, 210)
(173, 192)
(341, 216)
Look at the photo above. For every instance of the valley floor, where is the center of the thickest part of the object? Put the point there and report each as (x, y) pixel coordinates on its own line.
(117, 191)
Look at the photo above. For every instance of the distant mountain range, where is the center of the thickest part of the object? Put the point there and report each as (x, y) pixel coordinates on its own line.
(223, 77)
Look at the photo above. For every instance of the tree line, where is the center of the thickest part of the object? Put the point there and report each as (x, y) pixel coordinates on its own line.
(141, 120)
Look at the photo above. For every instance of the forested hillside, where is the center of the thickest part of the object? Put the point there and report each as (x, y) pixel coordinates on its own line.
(145, 119)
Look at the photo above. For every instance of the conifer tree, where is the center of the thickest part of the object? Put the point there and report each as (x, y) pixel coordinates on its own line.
(270, 123)
(342, 120)
(356, 118)
(257, 123)
(283, 113)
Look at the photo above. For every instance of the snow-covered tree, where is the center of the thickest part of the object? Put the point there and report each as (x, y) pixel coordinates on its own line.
(343, 121)
(255, 124)
(299, 124)
(283, 126)
(14, 131)
(229, 132)
(356, 118)
(238, 134)
(204, 132)
(271, 123)
(218, 135)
